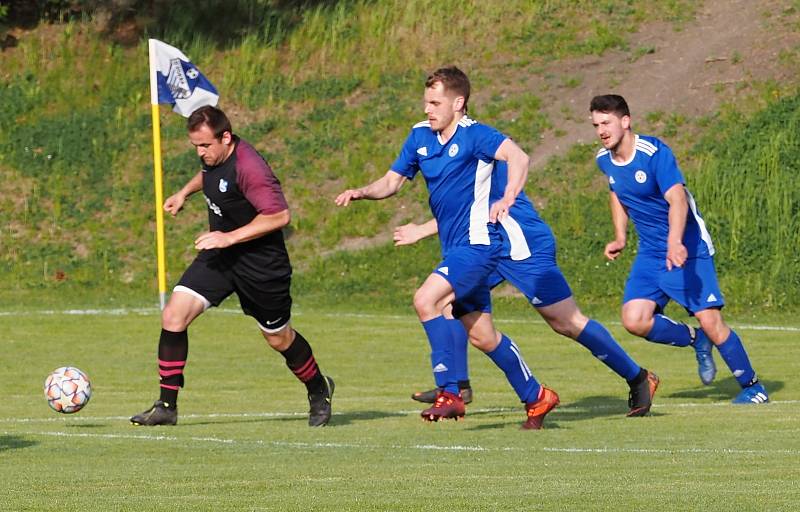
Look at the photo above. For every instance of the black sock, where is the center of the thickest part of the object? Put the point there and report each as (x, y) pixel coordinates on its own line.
(639, 378)
(464, 384)
(300, 360)
(173, 347)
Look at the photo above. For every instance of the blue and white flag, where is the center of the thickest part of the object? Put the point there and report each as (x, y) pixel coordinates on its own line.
(175, 80)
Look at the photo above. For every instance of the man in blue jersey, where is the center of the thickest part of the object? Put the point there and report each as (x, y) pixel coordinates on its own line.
(529, 263)
(675, 255)
(456, 156)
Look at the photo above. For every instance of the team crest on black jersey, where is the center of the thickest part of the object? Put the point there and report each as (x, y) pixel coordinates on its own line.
(640, 176)
(223, 185)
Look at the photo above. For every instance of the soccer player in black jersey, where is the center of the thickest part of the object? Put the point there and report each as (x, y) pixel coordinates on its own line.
(243, 252)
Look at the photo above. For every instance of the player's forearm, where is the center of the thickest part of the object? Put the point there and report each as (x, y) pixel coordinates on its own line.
(385, 187)
(193, 185)
(619, 218)
(518, 165)
(678, 210)
(260, 226)
(430, 228)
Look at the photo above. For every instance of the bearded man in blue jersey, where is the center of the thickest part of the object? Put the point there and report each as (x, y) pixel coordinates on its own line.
(675, 255)
(529, 263)
(457, 157)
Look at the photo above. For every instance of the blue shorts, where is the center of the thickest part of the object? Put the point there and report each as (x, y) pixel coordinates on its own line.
(537, 277)
(694, 286)
(467, 269)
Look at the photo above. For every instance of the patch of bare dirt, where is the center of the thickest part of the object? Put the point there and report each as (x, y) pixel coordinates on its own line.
(730, 44)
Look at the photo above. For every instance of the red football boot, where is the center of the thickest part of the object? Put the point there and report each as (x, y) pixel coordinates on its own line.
(446, 406)
(537, 410)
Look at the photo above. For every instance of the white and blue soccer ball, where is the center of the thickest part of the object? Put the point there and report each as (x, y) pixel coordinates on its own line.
(67, 389)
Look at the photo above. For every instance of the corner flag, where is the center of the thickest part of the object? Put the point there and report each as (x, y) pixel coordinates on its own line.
(177, 80)
(174, 80)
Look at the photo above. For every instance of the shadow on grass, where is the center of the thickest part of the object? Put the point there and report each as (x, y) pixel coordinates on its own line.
(15, 443)
(725, 389)
(338, 419)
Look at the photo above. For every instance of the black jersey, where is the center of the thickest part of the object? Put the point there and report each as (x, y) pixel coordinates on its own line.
(236, 191)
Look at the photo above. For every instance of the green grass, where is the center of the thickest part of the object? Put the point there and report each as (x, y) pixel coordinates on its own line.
(242, 442)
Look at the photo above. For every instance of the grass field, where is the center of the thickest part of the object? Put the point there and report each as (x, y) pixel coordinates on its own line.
(242, 442)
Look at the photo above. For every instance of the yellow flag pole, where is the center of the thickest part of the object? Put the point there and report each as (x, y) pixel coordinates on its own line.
(158, 180)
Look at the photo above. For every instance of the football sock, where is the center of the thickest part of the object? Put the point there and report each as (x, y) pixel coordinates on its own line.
(464, 384)
(638, 379)
(734, 355)
(604, 347)
(669, 332)
(173, 347)
(440, 337)
(460, 370)
(300, 360)
(508, 358)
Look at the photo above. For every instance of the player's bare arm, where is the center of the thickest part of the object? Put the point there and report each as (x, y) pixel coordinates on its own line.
(411, 233)
(174, 203)
(258, 227)
(678, 210)
(518, 164)
(619, 218)
(382, 188)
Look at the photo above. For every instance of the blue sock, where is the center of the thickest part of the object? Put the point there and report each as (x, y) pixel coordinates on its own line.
(604, 347)
(441, 342)
(507, 357)
(669, 332)
(459, 370)
(734, 355)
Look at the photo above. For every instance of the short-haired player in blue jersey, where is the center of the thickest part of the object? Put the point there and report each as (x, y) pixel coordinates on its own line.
(529, 263)
(675, 256)
(457, 157)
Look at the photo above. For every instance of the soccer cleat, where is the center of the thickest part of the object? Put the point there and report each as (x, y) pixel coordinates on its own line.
(429, 397)
(447, 406)
(755, 394)
(705, 361)
(319, 412)
(548, 400)
(160, 414)
(641, 396)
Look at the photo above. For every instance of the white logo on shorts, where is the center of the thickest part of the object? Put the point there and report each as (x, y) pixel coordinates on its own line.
(536, 300)
(275, 321)
(444, 270)
(453, 151)
(223, 185)
(711, 298)
(640, 176)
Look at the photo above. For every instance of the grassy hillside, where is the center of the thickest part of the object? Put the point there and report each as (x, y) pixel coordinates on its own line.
(328, 94)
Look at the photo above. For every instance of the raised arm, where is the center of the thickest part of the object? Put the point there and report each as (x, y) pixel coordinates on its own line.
(382, 188)
(678, 210)
(518, 163)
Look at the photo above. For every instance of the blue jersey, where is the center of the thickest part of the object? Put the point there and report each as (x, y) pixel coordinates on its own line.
(640, 185)
(458, 174)
(523, 231)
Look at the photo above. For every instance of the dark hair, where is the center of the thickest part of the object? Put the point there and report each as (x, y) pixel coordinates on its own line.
(453, 79)
(212, 117)
(610, 104)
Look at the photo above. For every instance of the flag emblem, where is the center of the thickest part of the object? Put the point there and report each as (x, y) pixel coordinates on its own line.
(177, 81)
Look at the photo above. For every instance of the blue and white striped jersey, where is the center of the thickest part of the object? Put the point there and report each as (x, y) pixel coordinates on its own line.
(458, 174)
(640, 185)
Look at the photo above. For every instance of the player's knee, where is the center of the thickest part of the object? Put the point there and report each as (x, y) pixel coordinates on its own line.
(280, 340)
(174, 320)
(424, 305)
(635, 326)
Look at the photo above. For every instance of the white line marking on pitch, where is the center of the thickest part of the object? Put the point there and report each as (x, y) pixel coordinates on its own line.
(153, 311)
(452, 448)
(282, 414)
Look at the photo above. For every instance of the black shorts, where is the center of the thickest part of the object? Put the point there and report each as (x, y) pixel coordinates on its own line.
(211, 278)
